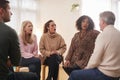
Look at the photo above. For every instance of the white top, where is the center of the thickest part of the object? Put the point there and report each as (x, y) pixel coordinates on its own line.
(106, 55)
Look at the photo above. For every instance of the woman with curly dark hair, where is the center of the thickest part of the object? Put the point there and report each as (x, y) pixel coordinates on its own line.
(82, 45)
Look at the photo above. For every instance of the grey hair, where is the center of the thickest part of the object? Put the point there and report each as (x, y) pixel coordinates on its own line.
(108, 17)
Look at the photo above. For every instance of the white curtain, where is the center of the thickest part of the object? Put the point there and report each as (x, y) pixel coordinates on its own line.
(24, 10)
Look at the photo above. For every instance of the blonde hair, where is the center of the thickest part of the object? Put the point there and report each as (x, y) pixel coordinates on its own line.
(26, 38)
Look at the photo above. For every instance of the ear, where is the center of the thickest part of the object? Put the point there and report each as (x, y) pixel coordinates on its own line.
(1, 11)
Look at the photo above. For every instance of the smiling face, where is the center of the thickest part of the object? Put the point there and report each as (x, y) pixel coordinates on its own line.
(52, 27)
(28, 28)
(84, 24)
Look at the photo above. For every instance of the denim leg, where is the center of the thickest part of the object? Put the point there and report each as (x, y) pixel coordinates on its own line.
(68, 70)
(33, 63)
(25, 76)
(53, 65)
(88, 74)
(35, 66)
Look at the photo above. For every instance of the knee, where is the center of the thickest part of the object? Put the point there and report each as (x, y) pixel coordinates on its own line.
(33, 76)
(37, 61)
(32, 68)
(54, 59)
(74, 75)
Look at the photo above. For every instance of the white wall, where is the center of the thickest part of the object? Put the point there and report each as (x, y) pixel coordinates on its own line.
(95, 8)
(60, 12)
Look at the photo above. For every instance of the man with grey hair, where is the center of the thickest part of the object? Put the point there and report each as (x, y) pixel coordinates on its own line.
(104, 63)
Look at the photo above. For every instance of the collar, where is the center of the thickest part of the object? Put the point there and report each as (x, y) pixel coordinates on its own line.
(52, 35)
(108, 27)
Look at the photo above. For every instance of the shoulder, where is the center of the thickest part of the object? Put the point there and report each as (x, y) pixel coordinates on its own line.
(34, 37)
(8, 29)
(8, 32)
(95, 31)
(58, 35)
(11, 32)
(44, 35)
(77, 34)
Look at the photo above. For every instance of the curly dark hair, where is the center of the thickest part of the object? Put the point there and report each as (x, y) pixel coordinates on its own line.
(47, 25)
(79, 21)
(3, 3)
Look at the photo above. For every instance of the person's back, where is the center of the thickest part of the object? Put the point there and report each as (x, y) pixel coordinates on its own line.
(7, 40)
(9, 48)
(106, 54)
(9, 45)
(111, 38)
(104, 63)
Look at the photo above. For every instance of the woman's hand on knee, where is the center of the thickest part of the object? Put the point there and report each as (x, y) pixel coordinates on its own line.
(67, 63)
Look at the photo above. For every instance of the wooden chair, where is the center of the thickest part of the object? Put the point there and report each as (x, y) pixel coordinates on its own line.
(43, 70)
(21, 69)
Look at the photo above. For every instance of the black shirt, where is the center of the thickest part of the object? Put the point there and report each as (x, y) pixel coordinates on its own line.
(9, 46)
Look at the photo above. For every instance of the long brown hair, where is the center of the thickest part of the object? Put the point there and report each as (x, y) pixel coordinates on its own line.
(47, 25)
(26, 38)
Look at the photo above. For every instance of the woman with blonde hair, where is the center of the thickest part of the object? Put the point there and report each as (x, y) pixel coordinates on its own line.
(29, 48)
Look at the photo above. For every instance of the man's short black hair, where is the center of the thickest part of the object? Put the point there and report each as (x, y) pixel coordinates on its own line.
(3, 3)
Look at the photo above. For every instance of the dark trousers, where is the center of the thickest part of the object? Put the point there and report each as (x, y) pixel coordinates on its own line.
(22, 76)
(53, 65)
(34, 64)
(89, 74)
(68, 70)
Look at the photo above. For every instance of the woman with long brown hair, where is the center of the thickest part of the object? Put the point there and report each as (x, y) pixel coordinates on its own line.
(52, 45)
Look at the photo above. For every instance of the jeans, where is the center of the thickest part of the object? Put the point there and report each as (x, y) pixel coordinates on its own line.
(22, 76)
(68, 70)
(89, 74)
(33, 63)
(53, 64)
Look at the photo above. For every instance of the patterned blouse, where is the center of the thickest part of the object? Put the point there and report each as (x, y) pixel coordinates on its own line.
(81, 48)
